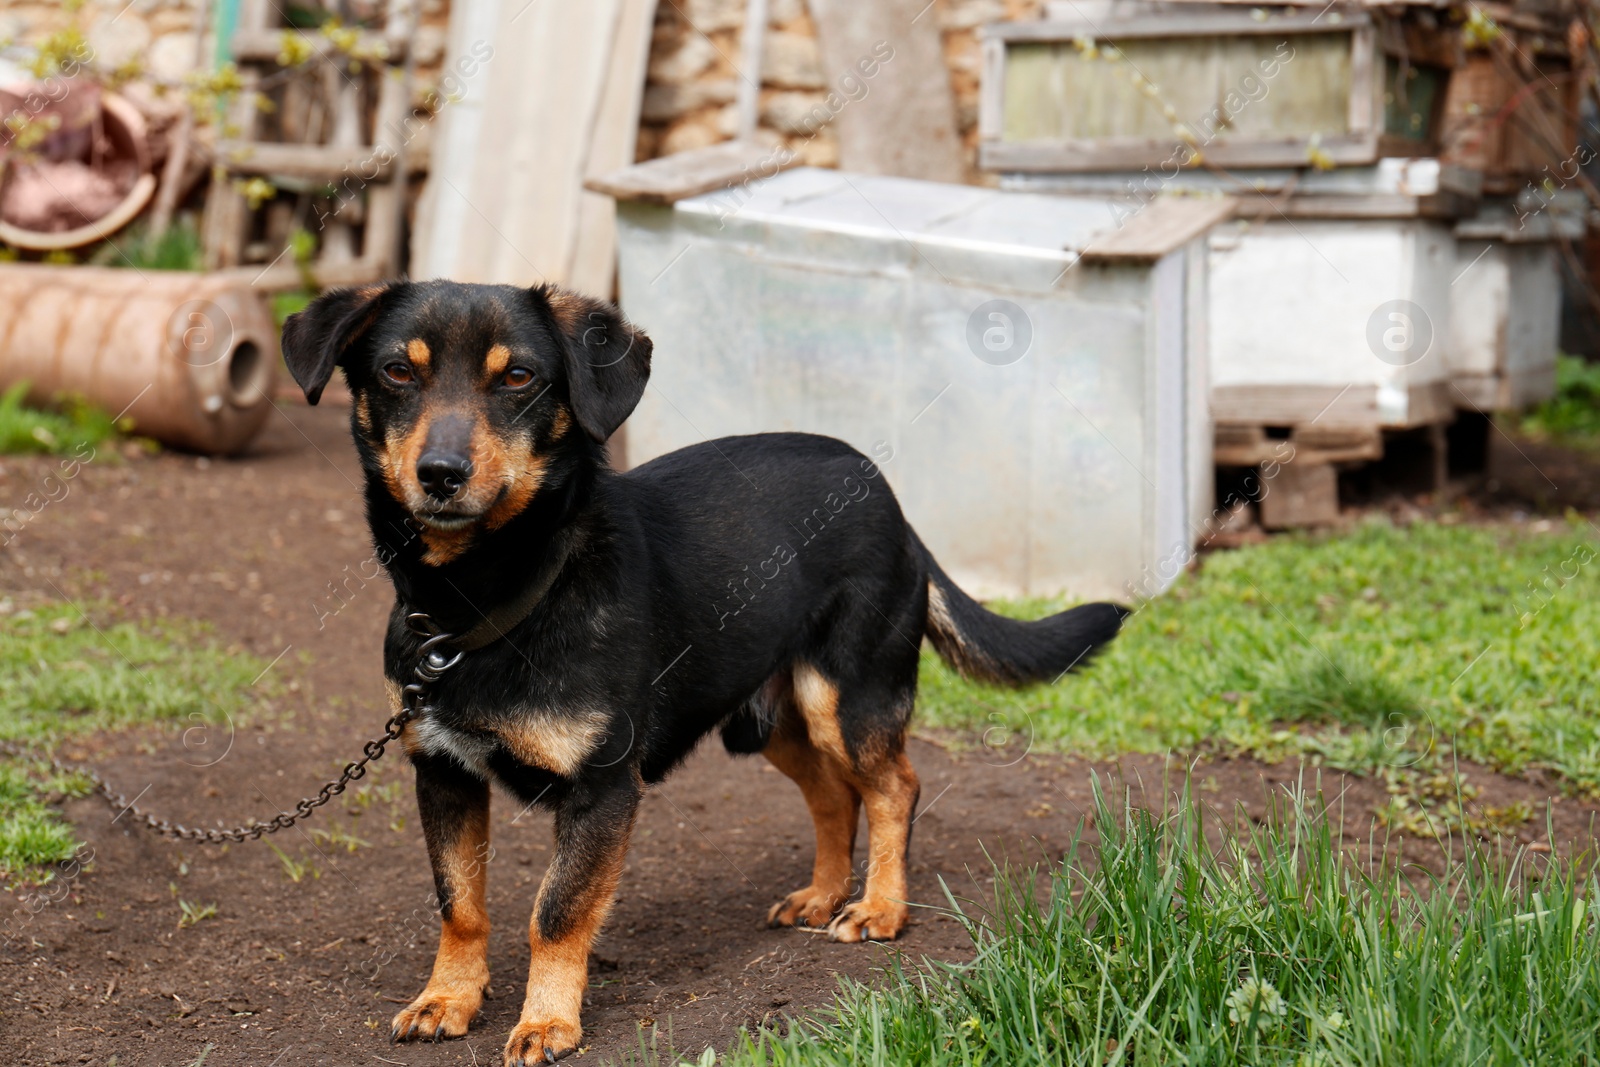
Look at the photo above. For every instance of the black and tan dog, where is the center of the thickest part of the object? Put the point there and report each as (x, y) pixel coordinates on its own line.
(766, 586)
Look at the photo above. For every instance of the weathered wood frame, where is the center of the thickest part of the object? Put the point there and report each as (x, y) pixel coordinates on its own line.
(379, 170)
(1365, 142)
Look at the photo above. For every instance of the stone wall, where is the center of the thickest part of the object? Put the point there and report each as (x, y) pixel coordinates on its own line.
(153, 43)
(154, 37)
(689, 96)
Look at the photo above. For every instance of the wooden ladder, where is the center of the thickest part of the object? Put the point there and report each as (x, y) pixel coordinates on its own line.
(367, 176)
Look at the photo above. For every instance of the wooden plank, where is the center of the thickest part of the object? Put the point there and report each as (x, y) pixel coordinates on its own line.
(324, 161)
(678, 177)
(1166, 224)
(1366, 107)
(380, 237)
(503, 198)
(992, 90)
(752, 46)
(1332, 404)
(1173, 24)
(612, 143)
(905, 123)
(1301, 494)
(1359, 206)
(1286, 405)
(264, 46)
(1239, 445)
(224, 220)
(338, 237)
(1116, 153)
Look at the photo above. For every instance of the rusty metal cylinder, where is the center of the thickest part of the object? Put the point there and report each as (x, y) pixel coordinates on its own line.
(189, 358)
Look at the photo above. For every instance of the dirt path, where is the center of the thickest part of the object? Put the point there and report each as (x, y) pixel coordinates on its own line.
(272, 550)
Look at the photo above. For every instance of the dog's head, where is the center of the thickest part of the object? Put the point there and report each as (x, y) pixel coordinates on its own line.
(464, 394)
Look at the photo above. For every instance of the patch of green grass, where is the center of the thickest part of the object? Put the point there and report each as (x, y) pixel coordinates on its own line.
(1378, 647)
(63, 676)
(290, 302)
(1273, 947)
(179, 248)
(1572, 416)
(76, 427)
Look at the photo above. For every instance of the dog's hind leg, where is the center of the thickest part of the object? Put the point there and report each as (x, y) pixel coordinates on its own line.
(889, 789)
(454, 806)
(860, 733)
(835, 808)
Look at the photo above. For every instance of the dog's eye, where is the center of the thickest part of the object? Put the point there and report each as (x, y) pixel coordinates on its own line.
(399, 373)
(517, 377)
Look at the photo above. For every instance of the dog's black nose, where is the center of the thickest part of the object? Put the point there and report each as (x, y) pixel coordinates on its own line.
(442, 475)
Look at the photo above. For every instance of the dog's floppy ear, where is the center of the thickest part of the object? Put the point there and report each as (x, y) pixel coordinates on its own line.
(316, 339)
(607, 361)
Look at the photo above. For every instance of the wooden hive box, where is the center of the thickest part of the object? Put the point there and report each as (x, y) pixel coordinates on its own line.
(1506, 300)
(1332, 322)
(1165, 85)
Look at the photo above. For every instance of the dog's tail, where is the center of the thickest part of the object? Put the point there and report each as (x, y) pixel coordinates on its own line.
(993, 648)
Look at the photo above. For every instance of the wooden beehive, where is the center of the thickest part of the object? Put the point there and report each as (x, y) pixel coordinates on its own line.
(1337, 322)
(1171, 85)
(1506, 300)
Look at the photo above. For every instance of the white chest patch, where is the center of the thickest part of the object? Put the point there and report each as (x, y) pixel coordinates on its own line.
(469, 750)
(558, 743)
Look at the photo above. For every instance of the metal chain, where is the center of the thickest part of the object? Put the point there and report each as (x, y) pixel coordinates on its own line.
(432, 662)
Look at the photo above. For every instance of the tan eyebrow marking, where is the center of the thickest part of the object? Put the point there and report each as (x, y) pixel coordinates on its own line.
(417, 350)
(496, 360)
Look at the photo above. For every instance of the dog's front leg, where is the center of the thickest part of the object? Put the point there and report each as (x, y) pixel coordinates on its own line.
(592, 832)
(454, 806)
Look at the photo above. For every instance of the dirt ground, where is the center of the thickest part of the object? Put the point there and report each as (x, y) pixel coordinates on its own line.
(271, 549)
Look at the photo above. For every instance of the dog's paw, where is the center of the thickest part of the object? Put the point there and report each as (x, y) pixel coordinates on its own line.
(806, 907)
(869, 920)
(437, 1014)
(545, 1041)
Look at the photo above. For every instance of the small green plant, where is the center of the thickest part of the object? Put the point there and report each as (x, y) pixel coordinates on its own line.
(194, 914)
(295, 870)
(1572, 416)
(76, 427)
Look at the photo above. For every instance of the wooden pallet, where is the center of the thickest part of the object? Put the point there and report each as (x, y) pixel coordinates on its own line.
(1296, 466)
(1254, 445)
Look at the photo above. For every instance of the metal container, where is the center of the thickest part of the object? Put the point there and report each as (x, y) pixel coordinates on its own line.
(187, 357)
(1038, 408)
